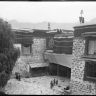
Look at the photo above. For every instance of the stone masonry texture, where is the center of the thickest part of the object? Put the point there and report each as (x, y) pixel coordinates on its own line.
(78, 85)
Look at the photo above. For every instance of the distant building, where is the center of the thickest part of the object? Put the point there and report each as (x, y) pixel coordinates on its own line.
(60, 54)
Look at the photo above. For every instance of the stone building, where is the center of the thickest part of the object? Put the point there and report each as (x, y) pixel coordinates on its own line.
(32, 45)
(83, 68)
(40, 39)
(35, 47)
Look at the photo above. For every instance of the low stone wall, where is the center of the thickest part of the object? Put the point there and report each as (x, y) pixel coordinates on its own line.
(21, 67)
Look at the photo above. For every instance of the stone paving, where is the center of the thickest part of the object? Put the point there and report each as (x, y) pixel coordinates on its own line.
(36, 86)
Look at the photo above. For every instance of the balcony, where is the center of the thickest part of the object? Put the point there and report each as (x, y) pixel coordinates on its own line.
(89, 57)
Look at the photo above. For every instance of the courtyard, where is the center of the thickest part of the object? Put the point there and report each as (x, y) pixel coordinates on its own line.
(36, 86)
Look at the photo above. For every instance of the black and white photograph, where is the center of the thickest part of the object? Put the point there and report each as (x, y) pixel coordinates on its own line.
(47, 48)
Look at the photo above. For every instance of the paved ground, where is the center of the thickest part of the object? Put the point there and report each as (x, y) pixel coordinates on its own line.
(36, 86)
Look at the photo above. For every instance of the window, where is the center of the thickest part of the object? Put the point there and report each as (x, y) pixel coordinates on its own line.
(90, 71)
(92, 47)
(90, 59)
(26, 49)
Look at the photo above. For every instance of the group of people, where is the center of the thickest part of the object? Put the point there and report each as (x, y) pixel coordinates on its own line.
(53, 83)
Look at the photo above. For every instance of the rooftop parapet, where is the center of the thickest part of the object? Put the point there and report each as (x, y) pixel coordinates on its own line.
(82, 29)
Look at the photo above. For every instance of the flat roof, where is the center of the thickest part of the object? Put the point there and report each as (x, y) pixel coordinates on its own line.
(85, 24)
(61, 59)
(36, 65)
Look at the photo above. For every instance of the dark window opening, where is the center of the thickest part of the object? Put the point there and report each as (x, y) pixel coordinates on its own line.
(26, 49)
(90, 71)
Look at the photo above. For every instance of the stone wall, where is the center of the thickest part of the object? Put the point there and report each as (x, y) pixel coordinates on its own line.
(38, 48)
(78, 85)
(21, 67)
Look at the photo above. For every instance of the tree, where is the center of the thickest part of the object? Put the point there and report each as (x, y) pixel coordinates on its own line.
(8, 54)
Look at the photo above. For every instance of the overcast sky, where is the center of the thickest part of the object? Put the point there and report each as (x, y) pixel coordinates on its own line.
(47, 11)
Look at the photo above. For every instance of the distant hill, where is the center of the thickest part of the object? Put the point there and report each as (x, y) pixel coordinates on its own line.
(43, 25)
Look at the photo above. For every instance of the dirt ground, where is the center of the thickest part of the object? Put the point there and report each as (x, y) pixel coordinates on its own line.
(36, 86)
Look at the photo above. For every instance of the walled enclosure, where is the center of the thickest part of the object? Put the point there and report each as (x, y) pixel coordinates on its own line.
(78, 84)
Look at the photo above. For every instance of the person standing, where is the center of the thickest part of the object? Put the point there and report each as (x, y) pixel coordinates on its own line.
(51, 85)
(56, 82)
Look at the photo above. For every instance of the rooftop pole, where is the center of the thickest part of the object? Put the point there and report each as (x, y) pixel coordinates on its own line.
(49, 28)
(81, 13)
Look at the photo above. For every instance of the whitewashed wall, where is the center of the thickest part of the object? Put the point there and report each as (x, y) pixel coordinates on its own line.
(38, 48)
